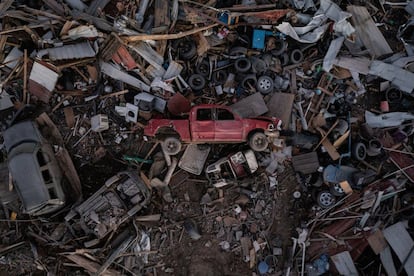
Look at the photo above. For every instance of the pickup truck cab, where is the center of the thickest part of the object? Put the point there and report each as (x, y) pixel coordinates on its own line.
(209, 123)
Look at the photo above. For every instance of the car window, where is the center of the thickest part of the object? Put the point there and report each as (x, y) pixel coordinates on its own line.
(224, 114)
(204, 114)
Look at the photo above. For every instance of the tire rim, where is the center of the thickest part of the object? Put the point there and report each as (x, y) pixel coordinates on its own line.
(186, 47)
(326, 199)
(172, 146)
(259, 141)
(265, 84)
(361, 152)
(204, 68)
(338, 189)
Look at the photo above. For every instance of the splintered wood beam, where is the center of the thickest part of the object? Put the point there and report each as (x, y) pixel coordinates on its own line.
(25, 60)
(167, 36)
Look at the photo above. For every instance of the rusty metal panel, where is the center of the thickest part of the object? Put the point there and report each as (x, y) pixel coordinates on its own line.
(122, 56)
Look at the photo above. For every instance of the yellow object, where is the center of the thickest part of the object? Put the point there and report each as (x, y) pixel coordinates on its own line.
(13, 216)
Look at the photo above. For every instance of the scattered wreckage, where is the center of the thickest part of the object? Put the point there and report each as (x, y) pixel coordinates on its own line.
(116, 202)
(140, 165)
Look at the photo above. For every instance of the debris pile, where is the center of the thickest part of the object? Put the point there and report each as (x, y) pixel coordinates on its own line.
(206, 137)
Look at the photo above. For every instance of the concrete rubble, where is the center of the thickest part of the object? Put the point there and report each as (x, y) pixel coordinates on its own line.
(206, 137)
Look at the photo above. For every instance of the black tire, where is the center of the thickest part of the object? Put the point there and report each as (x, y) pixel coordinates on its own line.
(187, 49)
(249, 82)
(280, 47)
(336, 189)
(325, 199)
(196, 82)
(238, 51)
(203, 68)
(393, 95)
(284, 59)
(259, 66)
(264, 85)
(374, 147)
(171, 145)
(359, 151)
(258, 141)
(296, 56)
(242, 65)
(219, 77)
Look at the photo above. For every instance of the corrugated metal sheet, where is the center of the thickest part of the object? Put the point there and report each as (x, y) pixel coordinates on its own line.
(73, 51)
(117, 74)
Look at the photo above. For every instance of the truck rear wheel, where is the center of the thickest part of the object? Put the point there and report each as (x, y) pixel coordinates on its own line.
(258, 141)
(171, 145)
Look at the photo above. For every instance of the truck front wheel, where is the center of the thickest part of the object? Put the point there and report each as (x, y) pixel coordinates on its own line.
(171, 145)
(258, 141)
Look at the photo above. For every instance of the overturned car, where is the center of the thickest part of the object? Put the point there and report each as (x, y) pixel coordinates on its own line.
(35, 174)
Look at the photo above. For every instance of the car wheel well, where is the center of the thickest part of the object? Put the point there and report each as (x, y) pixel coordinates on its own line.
(165, 132)
(258, 140)
(253, 131)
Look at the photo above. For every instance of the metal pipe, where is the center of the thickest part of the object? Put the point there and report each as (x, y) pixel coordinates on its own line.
(298, 106)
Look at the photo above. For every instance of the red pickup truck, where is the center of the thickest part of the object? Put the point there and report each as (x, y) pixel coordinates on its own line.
(209, 123)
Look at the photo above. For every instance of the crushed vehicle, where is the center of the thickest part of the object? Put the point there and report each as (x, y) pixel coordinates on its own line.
(120, 198)
(36, 176)
(229, 169)
(210, 123)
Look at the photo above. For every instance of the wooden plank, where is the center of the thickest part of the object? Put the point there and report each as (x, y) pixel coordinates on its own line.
(280, 106)
(149, 54)
(341, 139)
(161, 13)
(401, 242)
(202, 44)
(325, 134)
(368, 32)
(69, 170)
(346, 187)
(344, 263)
(377, 242)
(306, 163)
(90, 265)
(330, 149)
(133, 38)
(5, 5)
(25, 76)
(58, 8)
(387, 262)
(69, 116)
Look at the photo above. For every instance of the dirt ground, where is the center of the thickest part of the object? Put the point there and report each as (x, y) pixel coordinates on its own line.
(206, 256)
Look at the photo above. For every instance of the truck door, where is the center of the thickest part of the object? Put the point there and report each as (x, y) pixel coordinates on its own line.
(202, 128)
(227, 127)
